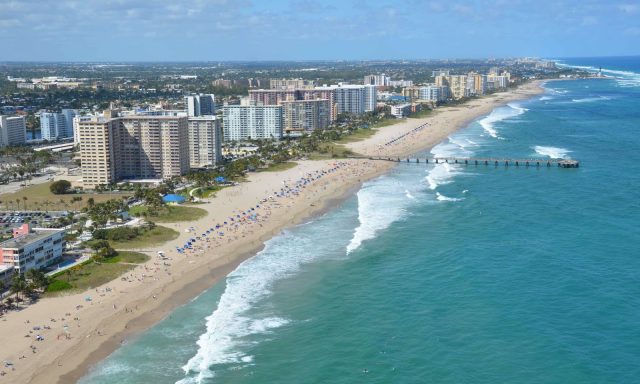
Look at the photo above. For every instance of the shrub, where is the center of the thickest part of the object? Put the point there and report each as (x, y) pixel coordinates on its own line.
(58, 285)
(117, 234)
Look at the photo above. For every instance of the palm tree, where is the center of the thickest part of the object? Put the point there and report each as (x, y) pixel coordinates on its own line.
(24, 198)
(18, 203)
(37, 279)
(18, 285)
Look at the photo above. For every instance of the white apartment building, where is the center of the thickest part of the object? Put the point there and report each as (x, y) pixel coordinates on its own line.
(200, 105)
(381, 80)
(370, 98)
(400, 83)
(350, 98)
(401, 110)
(205, 141)
(432, 93)
(249, 120)
(32, 248)
(13, 130)
(57, 125)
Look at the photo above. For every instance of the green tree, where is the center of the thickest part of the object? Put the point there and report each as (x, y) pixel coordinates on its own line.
(60, 187)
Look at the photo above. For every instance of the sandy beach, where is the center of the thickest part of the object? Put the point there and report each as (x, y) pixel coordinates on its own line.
(83, 332)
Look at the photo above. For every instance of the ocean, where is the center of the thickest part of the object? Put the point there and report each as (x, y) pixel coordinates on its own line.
(442, 273)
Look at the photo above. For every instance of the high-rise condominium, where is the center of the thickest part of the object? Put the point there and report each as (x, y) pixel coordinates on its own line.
(57, 125)
(200, 105)
(205, 137)
(306, 115)
(252, 121)
(132, 147)
(13, 130)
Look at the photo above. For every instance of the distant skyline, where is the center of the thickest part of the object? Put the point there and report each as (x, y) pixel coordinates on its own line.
(210, 30)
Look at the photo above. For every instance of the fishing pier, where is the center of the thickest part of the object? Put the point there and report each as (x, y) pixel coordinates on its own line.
(560, 163)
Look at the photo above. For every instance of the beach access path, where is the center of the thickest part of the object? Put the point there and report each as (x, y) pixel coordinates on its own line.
(83, 332)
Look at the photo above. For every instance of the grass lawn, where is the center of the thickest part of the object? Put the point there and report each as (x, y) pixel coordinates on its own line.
(170, 214)
(360, 134)
(206, 192)
(150, 238)
(331, 151)
(127, 257)
(419, 115)
(87, 276)
(279, 167)
(39, 197)
(92, 274)
(386, 122)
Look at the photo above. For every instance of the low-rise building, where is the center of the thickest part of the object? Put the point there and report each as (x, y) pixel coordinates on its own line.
(401, 110)
(32, 248)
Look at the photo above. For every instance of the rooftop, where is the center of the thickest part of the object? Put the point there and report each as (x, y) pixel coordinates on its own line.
(23, 240)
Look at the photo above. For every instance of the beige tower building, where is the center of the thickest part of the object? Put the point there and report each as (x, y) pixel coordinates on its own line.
(205, 141)
(132, 147)
(302, 116)
(96, 156)
(151, 147)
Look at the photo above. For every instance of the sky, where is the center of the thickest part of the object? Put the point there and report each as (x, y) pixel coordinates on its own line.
(220, 30)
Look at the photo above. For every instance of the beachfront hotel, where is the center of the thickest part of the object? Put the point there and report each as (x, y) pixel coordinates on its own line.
(31, 248)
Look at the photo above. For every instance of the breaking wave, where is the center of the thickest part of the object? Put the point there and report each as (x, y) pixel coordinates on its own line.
(552, 152)
(500, 114)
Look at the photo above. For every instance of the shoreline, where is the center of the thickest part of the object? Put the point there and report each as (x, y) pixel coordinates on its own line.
(68, 360)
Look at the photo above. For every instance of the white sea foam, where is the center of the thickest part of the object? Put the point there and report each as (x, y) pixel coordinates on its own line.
(591, 99)
(543, 98)
(442, 197)
(552, 152)
(499, 114)
(228, 327)
(409, 195)
(442, 174)
(380, 203)
(558, 91)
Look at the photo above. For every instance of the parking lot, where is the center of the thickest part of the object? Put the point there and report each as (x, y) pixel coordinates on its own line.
(38, 219)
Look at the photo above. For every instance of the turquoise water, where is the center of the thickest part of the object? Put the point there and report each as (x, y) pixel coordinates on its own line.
(442, 274)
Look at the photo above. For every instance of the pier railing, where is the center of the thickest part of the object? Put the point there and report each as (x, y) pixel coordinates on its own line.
(487, 161)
